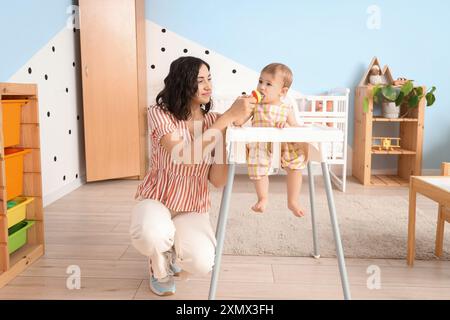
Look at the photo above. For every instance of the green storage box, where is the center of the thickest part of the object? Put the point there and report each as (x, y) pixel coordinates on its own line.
(17, 235)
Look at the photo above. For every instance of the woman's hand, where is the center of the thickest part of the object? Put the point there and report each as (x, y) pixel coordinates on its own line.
(242, 108)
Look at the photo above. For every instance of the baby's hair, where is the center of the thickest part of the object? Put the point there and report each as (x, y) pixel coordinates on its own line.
(285, 71)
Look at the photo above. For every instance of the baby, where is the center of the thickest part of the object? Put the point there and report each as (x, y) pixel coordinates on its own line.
(274, 83)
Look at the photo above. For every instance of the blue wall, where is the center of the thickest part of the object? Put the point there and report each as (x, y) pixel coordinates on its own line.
(25, 27)
(328, 44)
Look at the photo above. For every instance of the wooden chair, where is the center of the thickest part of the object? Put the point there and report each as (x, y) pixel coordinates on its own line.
(444, 216)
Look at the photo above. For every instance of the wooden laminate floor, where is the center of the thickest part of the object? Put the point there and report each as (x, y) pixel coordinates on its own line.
(89, 229)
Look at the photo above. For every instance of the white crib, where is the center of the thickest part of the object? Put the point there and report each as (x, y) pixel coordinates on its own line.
(330, 109)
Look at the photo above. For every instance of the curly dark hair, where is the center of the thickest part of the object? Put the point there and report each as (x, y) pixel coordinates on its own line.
(180, 86)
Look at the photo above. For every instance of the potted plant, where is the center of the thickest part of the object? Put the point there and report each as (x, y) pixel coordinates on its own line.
(392, 98)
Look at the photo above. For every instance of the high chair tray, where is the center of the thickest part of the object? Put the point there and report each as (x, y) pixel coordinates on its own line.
(307, 133)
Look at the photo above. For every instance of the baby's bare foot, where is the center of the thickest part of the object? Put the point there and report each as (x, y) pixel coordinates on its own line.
(260, 206)
(296, 210)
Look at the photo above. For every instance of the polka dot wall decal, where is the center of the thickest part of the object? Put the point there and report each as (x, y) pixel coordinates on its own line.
(234, 71)
(163, 30)
(163, 49)
(44, 70)
(206, 51)
(153, 66)
(185, 50)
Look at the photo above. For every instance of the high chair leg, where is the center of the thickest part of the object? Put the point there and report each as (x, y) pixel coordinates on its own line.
(336, 233)
(220, 231)
(312, 195)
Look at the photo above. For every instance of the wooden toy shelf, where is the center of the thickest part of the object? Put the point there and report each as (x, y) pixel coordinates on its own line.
(396, 151)
(13, 264)
(381, 119)
(410, 134)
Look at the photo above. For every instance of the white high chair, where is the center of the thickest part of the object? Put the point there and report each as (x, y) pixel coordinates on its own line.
(317, 137)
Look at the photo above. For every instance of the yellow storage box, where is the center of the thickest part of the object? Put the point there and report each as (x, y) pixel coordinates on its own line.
(18, 212)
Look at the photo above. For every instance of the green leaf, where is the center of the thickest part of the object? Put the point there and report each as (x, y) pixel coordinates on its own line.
(418, 91)
(376, 100)
(366, 105)
(376, 92)
(433, 89)
(400, 97)
(407, 88)
(389, 93)
(413, 101)
(430, 99)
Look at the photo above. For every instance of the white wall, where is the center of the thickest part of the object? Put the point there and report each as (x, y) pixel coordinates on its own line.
(60, 113)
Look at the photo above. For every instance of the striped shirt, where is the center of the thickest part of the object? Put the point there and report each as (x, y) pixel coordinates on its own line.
(180, 187)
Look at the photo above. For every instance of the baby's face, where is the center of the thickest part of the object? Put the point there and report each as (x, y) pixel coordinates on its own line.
(271, 86)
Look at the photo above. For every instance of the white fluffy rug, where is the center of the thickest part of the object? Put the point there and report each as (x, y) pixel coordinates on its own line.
(371, 226)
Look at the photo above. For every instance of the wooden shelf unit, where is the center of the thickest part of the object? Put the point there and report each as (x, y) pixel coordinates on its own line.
(12, 265)
(381, 119)
(411, 139)
(395, 151)
(388, 180)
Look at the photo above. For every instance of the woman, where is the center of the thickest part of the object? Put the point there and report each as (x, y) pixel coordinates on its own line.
(171, 224)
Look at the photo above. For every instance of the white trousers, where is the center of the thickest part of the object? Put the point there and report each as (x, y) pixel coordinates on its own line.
(154, 229)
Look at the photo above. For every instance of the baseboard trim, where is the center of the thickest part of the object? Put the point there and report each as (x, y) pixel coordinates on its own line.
(431, 172)
(57, 194)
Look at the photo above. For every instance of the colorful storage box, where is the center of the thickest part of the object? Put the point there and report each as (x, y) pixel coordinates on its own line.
(11, 110)
(14, 171)
(18, 212)
(17, 235)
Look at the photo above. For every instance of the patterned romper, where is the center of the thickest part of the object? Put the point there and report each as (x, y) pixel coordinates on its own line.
(294, 155)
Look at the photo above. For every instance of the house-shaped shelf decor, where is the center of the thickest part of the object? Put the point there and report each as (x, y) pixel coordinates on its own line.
(384, 73)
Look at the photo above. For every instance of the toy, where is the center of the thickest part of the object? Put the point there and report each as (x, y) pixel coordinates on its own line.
(385, 143)
(376, 76)
(400, 81)
(257, 95)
